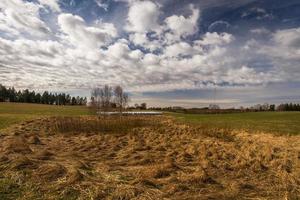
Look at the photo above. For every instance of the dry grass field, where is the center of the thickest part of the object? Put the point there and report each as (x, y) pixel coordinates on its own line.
(144, 158)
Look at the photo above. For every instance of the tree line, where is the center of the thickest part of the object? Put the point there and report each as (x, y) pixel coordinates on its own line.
(273, 107)
(10, 94)
(289, 107)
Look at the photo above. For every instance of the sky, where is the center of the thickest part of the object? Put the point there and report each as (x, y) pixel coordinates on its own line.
(187, 53)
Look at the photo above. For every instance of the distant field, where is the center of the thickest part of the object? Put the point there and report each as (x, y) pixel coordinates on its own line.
(274, 122)
(11, 113)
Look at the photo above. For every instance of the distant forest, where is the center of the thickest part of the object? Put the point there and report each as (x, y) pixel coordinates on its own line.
(289, 107)
(27, 96)
(257, 108)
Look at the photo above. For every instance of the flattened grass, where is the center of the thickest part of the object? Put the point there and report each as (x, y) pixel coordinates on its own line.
(156, 162)
(272, 122)
(9, 189)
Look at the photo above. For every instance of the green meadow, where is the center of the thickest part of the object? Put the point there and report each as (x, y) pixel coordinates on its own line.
(273, 122)
(12, 113)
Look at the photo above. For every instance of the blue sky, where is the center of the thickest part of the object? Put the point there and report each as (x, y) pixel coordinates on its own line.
(167, 52)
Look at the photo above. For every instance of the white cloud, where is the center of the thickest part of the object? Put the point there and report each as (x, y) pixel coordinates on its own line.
(259, 13)
(284, 44)
(91, 53)
(150, 59)
(118, 50)
(181, 48)
(79, 34)
(41, 64)
(260, 31)
(183, 26)
(284, 51)
(288, 38)
(52, 4)
(143, 19)
(5, 28)
(215, 39)
(142, 16)
(101, 4)
(22, 17)
(246, 75)
(141, 39)
(136, 54)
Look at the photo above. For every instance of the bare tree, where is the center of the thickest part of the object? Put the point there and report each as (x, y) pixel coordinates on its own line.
(106, 96)
(143, 106)
(136, 105)
(96, 102)
(121, 98)
(101, 98)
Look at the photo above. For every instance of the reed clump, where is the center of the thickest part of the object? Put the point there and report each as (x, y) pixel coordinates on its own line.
(107, 124)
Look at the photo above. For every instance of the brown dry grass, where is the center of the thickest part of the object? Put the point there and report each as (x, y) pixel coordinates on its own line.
(152, 158)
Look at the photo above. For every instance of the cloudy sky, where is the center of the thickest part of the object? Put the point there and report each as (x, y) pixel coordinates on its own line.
(164, 52)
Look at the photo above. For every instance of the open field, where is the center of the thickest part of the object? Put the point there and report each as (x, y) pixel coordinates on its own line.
(49, 152)
(144, 158)
(270, 122)
(12, 113)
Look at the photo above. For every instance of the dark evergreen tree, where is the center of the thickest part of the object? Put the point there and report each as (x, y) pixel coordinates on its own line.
(28, 96)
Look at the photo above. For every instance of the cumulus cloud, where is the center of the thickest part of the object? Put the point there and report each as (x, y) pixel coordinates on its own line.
(146, 31)
(135, 69)
(118, 50)
(79, 34)
(284, 50)
(18, 16)
(142, 16)
(183, 26)
(288, 37)
(142, 40)
(215, 39)
(152, 54)
(284, 45)
(246, 75)
(52, 4)
(180, 48)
